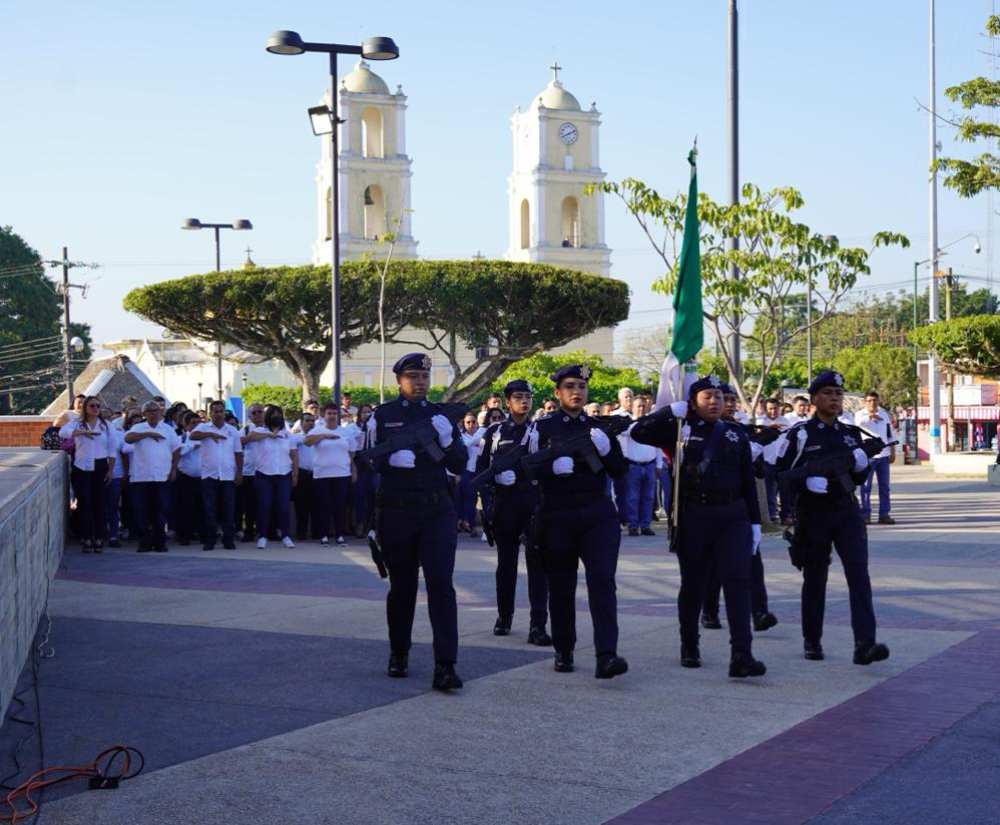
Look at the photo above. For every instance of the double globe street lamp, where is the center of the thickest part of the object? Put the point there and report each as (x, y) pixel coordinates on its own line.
(324, 121)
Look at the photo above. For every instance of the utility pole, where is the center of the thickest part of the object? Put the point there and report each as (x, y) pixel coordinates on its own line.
(949, 444)
(933, 389)
(67, 373)
(734, 170)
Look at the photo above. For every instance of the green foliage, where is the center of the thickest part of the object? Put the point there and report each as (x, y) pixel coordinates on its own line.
(603, 384)
(290, 398)
(970, 177)
(889, 370)
(969, 345)
(516, 309)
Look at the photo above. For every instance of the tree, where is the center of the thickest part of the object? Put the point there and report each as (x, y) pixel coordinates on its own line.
(889, 370)
(31, 344)
(777, 259)
(969, 345)
(970, 177)
(603, 384)
(502, 310)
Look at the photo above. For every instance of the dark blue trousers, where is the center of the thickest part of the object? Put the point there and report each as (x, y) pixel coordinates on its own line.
(879, 470)
(112, 508)
(592, 535)
(413, 538)
(819, 527)
(150, 500)
(218, 505)
(715, 537)
(276, 492)
(640, 489)
(511, 518)
(364, 498)
(771, 486)
(758, 588)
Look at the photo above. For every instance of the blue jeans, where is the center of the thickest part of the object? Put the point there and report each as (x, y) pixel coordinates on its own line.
(466, 498)
(879, 469)
(276, 492)
(666, 485)
(112, 496)
(640, 485)
(771, 486)
(221, 495)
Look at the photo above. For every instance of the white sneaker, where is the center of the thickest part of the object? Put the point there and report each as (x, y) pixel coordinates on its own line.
(262, 543)
(324, 541)
(340, 541)
(287, 541)
(483, 538)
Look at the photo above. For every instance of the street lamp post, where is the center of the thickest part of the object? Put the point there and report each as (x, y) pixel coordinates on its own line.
(324, 121)
(240, 224)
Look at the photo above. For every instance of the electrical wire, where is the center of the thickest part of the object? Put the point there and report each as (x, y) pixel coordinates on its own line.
(31, 341)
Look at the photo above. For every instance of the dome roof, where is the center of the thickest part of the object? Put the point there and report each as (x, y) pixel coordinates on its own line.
(554, 96)
(364, 81)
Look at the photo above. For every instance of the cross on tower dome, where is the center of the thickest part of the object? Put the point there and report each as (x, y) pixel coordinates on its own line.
(556, 68)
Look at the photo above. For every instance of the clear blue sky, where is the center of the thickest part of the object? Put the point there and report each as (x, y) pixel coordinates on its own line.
(124, 118)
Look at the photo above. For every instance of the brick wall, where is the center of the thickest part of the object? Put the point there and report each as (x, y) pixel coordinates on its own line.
(22, 430)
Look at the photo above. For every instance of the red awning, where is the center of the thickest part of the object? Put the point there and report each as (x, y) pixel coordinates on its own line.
(963, 413)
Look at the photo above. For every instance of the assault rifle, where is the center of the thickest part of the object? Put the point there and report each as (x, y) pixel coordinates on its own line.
(762, 434)
(833, 466)
(419, 436)
(579, 445)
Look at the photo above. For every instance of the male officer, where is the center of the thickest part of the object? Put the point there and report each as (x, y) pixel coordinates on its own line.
(514, 501)
(719, 519)
(827, 514)
(416, 522)
(579, 523)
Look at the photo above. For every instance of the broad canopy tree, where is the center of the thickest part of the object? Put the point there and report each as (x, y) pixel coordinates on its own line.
(504, 311)
(968, 345)
(778, 258)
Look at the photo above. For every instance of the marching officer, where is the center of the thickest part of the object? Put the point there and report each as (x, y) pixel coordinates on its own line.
(514, 501)
(719, 517)
(416, 522)
(578, 522)
(827, 515)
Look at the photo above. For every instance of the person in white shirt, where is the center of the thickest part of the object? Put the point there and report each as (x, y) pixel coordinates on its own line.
(220, 472)
(366, 479)
(472, 437)
(800, 411)
(93, 466)
(640, 477)
(304, 496)
(186, 512)
(246, 502)
(277, 461)
(876, 419)
(773, 419)
(152, 464)
(332, 447)
(115, 493)
(311, 407)
(72, 414)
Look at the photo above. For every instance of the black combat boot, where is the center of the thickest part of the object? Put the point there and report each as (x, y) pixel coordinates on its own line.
(538, 636)
(610, 665)
(743, 665)
(399, 665)
(564, 662)
(764, 621)
(445, 678)
(710, 621)
(690, 655)
(867, 652)
(813, 651)
(502, 626)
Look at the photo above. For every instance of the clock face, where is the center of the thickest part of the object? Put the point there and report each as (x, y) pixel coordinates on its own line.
(568, 133)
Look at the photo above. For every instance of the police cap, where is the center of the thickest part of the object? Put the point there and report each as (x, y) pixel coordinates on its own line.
(412, 361)
(827, 378)
(708, 382)
(581, 371)
(518, 385)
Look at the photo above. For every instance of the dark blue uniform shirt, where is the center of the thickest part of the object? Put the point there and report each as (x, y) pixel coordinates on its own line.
(582, 481)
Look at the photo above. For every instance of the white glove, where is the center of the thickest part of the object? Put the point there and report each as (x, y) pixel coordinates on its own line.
(563, 466)
(860, 459)
(506, 478)
(679, 409)
(816, 484)
(756, 450)
(444, 430)
(532, 437)
(601, 441)
(755, 538)
(403, 459)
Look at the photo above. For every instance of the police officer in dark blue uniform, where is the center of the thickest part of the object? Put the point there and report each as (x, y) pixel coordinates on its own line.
(719, 517)
(578, 522)
(827, 515)
(763, 619)
(417, 523)
(515, 498)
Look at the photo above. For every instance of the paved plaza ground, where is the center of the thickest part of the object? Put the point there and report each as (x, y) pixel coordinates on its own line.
(254, 684)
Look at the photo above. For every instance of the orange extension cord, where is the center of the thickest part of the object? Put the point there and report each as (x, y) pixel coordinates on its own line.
(51, 776)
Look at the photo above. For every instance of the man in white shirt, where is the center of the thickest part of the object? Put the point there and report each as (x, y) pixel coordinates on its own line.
(152, 464)
(773, 419)
(221, 474)
(332, 449)
(800, 411)
(620, 485)
(875, 419)
(246, 505)
(640, 477)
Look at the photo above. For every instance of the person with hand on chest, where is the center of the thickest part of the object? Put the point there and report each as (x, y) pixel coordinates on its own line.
(416, 522)
(578, 522)
(827, 516)
(874, 419)
(515, 497)
(719, 517)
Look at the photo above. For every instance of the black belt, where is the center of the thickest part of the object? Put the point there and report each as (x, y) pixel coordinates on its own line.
(640, 463)
(710, 497)
(403, 501)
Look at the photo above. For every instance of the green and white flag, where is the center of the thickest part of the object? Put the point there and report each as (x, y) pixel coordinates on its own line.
(679, 370)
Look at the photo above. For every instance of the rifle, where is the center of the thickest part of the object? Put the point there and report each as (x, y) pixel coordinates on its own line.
(835, 466)
(377, 555)
(418, 437)
(763, 435)
(578, 445)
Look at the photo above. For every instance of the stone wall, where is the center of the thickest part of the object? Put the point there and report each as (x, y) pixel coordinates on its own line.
(22, 430)
(33, 490)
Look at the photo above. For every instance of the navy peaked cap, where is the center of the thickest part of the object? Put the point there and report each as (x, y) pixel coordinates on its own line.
(412, 361)
(708, 382)
(518, 385)
(827, 378)
(581, 371)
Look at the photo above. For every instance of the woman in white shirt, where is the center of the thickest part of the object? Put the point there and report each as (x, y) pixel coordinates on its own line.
(472, 436)
(187, 486)
(333, 448)
(277, 461)
(93, 462)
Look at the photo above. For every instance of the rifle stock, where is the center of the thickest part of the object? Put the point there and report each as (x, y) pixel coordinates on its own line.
(419, 437)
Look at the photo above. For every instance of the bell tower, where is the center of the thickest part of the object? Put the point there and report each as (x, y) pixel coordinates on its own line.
(551, 218)
(374, 171)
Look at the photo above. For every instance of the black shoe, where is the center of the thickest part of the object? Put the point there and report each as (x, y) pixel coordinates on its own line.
(229, 545)
(813, 651)
(647, 531)
(159, 549)
(867, 652)
(208, 547)
(609, 666)
(690, 656)
(183, 542)
(399, 665)
(563, 663)
(141, 549)
(502, 626)
(710, 621)
(98, 548)
(445, 678)
(743, 665)
(764, 621)
(538, 636)
(114, 543)
(886, 520)
(633, 531)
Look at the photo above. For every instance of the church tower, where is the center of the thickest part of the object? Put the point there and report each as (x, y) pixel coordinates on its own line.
(552, 219)
(374, 171)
